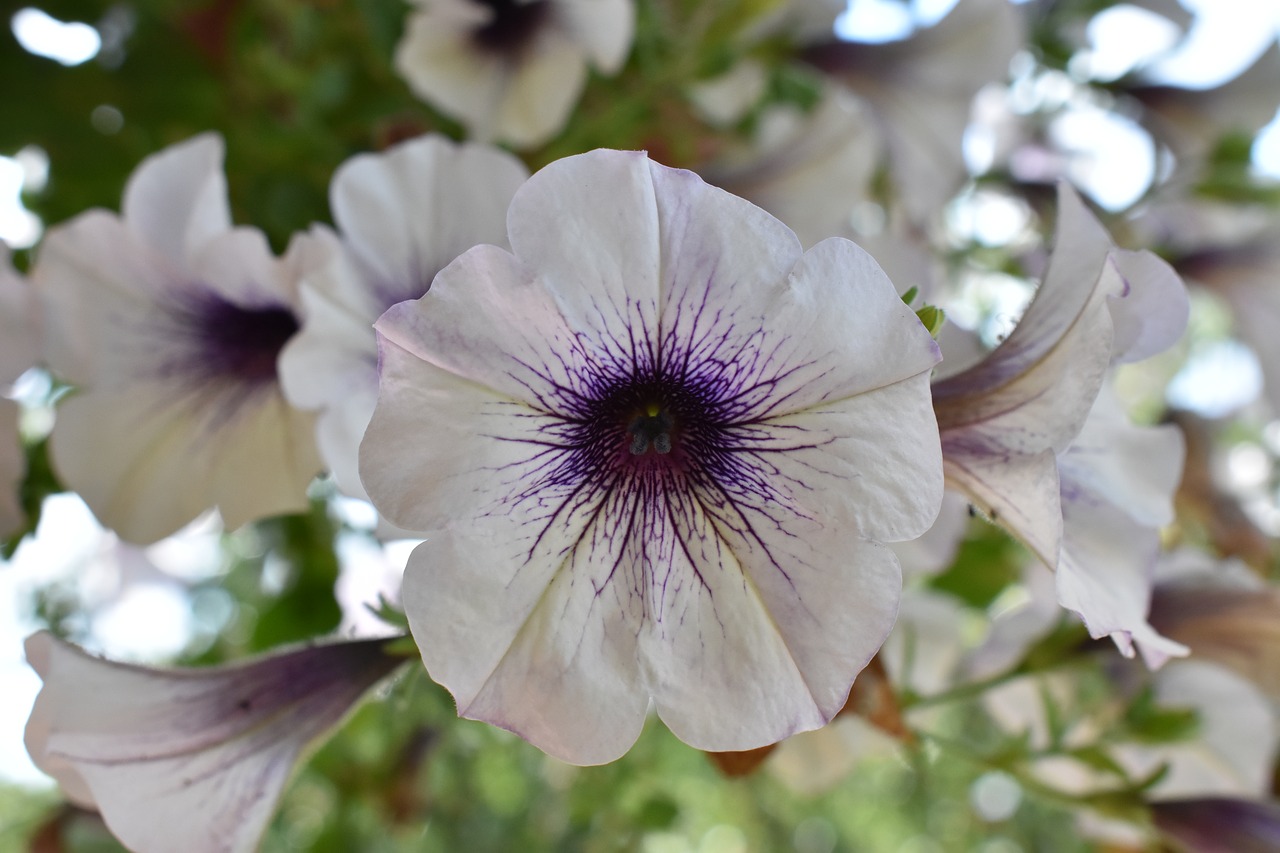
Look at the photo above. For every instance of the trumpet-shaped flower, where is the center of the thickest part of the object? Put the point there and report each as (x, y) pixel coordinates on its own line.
(189, 759)
(19, 347)
(1012, 428)
(659, 447)
(169, 322)
(511, 70)
(403, 214)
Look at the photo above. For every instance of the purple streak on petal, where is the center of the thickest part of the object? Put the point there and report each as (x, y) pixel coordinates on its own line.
(1220, 825)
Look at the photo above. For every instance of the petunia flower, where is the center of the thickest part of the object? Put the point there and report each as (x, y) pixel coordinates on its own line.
(19, 350)
(403, 214)
(1086, 501)
(920, 90)
(511, 70)
(658, 447)
(169, 323)
(190, 759)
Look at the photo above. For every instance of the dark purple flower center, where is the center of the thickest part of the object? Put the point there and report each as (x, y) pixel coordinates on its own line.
(512, 25)
(242, 343)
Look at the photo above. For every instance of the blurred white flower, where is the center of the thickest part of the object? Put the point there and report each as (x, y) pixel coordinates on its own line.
(920, 91)
(169, 323)
(403, 214)
(658, 447)
(511, 70)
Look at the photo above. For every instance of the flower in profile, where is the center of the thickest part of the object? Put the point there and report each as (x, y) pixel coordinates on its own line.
(403, 214)
(1086, 498)
(169, 323)
(19, 349)
(657, 447)
(511, 70)
(190, 759)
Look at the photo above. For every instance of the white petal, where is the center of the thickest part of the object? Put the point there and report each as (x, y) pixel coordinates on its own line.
(436, 58)
(1134, 468)
(195, 759)
(589, 227)
(1152, 316)
(541, 91)
(1020, 492)
(177, 199)
(535, 641)
(407, 212)
(604, 28)
(1104, 574)
(148, 462)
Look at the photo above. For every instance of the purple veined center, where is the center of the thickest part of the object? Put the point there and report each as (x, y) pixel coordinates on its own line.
(511, 26)
(651, 424)
(233, 343)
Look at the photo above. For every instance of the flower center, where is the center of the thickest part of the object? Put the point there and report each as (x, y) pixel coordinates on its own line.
(242, 343)
(511, 25)
(651, 430)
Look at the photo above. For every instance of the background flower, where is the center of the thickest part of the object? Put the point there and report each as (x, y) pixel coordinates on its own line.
(169, 322)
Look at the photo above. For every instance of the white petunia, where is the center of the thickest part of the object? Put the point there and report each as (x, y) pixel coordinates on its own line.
(403, 214)
(659, 447)
(190, 759)
(169, 323)
(1014, 428)
(511, 70)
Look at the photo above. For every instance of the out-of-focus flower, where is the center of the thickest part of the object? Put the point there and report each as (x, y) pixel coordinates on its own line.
(1220, 824)
(403, 215)
(169, 322)
(660, 446)
(511, 70)
(1009, 422)
(1192, 122)
(920, 91)
(1225, 614)
(189, 759)
(19, 349)
(809, 170)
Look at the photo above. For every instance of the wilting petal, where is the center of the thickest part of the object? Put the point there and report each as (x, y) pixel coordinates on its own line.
(403, 214)
(655, 443)
(189, 759)
(1220, 824)
(178, 407)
